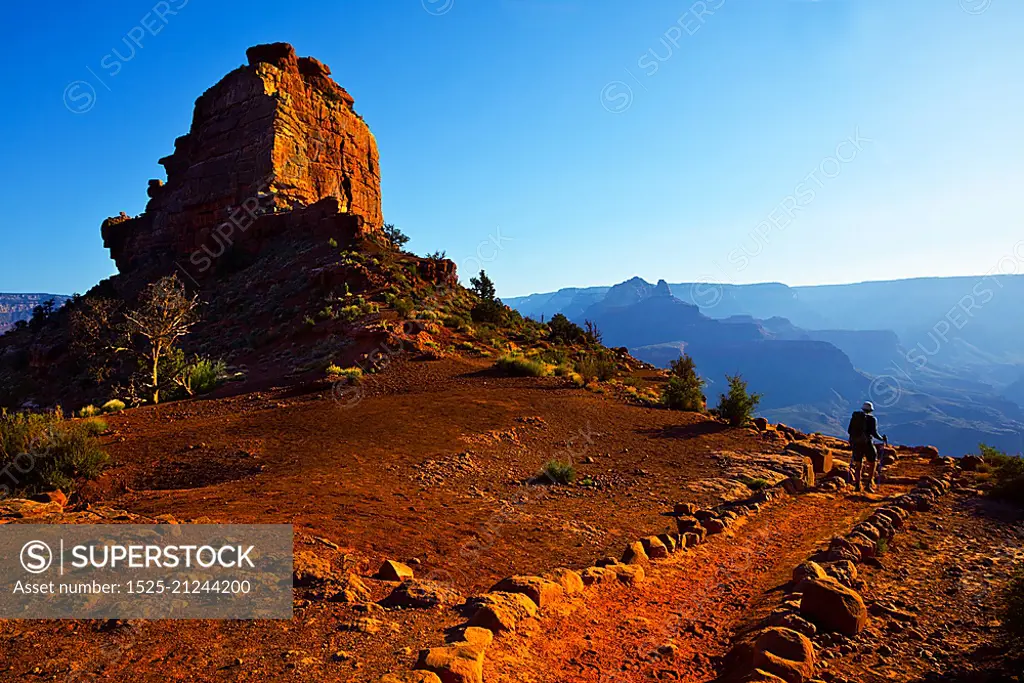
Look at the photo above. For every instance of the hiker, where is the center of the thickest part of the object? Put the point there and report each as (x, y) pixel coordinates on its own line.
(863, 427)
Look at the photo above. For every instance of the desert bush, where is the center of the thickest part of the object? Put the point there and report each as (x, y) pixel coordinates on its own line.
(404, 307)
(94, 426)
(114, 405)
(1008, 473)
(200, 375)
(54, 451)
(518, 366)
(685, 390)
(560, 472)
(596, 366)
(738, 405)
(756, 483)
(89, 411)
(336, 372)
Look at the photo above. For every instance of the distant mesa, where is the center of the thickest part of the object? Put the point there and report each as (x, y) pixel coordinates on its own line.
(276, 146)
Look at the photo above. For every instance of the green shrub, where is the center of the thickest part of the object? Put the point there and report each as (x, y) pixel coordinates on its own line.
(560, 472)
(596, 366)
(204, 375)
(562, 330)
(738, 405)
(354, 375)
(404, 308)
(1008, 472)
(89, 411)
(755, 483)
(685, 388)
(332, 243)
(518, 366)
(94, 426)
(46, 452)
(113, 406)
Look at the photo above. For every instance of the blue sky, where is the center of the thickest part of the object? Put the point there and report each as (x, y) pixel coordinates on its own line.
(593, 140)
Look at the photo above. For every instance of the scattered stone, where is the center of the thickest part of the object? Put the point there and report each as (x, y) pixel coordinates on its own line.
(363, 625)
(394, 571)
(420, 594)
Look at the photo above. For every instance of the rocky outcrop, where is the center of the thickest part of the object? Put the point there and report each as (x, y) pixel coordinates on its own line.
(274, 147)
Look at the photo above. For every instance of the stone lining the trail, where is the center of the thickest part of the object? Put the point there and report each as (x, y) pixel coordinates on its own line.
(822, 599)
(518, 598)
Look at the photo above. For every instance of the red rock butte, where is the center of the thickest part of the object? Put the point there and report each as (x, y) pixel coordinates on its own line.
(275, 147)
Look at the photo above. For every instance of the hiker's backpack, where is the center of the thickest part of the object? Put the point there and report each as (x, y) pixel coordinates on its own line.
(858, 428)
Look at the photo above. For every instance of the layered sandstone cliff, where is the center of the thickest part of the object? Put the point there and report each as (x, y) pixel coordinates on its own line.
(274, 146)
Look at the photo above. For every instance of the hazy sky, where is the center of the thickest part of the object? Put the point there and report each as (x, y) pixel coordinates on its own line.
(592, 140)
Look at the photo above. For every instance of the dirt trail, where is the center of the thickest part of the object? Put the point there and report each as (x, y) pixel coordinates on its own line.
(688, 608)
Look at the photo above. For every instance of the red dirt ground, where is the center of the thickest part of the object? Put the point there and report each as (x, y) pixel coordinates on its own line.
(432, 466)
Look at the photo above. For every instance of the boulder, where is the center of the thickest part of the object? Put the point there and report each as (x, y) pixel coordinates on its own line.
(808, 570)
(629, 574)
(456, 663)
(684, 509)
(542, 591)
(784, 653)
(833, 606)
(970, 463)
(411, 677)
(654, 548)
(308, 569)
(713, 526)
(351, 589)
(820, 456)
(394, 571)
(420, 594)
(669, 540)
(691, 539)
(592, 575)
(570, 581)
(635, 554)
(499, 612)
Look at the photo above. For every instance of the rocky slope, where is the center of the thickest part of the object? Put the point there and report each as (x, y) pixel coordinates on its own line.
(271, 214)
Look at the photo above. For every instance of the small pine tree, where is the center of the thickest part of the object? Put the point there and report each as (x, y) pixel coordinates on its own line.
(483, 287)
(489, 309)
(685, 390)
(738, 405)
(397, 238)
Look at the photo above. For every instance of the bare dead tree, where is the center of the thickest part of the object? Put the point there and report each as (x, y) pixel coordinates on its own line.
(165, 314)
(98, 334)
